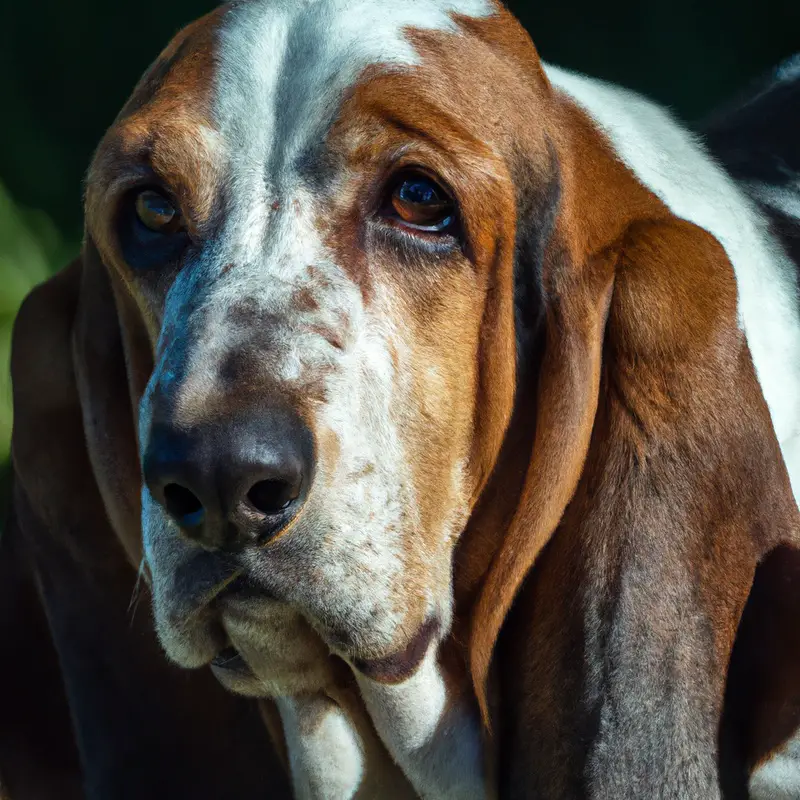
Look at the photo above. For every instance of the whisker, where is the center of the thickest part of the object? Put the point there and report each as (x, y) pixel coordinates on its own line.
(136, 593)
(213, 593)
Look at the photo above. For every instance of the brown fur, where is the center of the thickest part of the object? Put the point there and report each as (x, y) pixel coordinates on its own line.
(624, 480)
(683, 491)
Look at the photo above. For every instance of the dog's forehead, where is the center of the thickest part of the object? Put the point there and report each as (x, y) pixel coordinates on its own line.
(277, 70)
(283, 58)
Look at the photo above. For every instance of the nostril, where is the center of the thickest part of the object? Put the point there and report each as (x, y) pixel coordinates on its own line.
(272, 496)
(183, 505)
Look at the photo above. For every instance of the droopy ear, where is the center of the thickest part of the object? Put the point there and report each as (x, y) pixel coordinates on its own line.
(576, 305)
(71, 347)
(619, 644)
(673, 355)
(113, 360)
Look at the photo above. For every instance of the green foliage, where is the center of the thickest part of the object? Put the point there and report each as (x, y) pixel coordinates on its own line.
(30, 249)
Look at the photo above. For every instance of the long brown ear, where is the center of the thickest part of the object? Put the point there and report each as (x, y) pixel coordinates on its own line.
(70, 348)
(700, 285)
(613, 662)
(38, 753)
(112, 361)
(576, 306)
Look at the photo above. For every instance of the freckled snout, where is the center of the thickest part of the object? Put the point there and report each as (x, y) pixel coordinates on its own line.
(232, 482)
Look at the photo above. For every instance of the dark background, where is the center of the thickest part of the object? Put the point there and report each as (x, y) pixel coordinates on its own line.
(67, 67)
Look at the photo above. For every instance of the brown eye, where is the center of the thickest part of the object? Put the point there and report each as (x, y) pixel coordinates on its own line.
(419, 202)
(156, 212)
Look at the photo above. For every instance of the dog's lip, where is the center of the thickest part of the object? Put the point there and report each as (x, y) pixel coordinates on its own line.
(230, 660)
(402, 664)
(242, 588)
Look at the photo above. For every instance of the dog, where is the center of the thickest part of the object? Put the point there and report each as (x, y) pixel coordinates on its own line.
(445, 404)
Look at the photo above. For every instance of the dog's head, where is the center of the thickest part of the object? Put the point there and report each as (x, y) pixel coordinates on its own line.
(365, 305)
(310, 214)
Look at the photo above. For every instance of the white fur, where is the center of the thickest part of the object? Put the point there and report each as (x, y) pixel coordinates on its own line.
(434, 735)
(676, 167)
(285, 64)
(779, 778)
(789, 70)
(325, 754)
(785, 199)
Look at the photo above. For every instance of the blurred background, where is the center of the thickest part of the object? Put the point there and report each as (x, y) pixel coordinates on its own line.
(67, 68)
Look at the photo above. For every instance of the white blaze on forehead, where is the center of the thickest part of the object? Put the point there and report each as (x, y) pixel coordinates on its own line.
(281, 70)
(292, 59)
(283, 65)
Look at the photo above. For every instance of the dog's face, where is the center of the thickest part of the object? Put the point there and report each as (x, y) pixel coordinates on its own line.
(310, 207)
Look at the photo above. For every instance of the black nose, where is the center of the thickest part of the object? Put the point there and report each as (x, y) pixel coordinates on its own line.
(234, 482)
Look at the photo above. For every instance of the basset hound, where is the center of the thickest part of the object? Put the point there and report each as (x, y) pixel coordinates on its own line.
(445, 403)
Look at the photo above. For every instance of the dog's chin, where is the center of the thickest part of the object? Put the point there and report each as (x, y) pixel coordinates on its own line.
(261, 647)
(267, 677)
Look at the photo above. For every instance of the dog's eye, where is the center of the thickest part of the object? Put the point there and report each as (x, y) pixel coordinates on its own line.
(151, 229)
(418, 202)
(156, 212)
